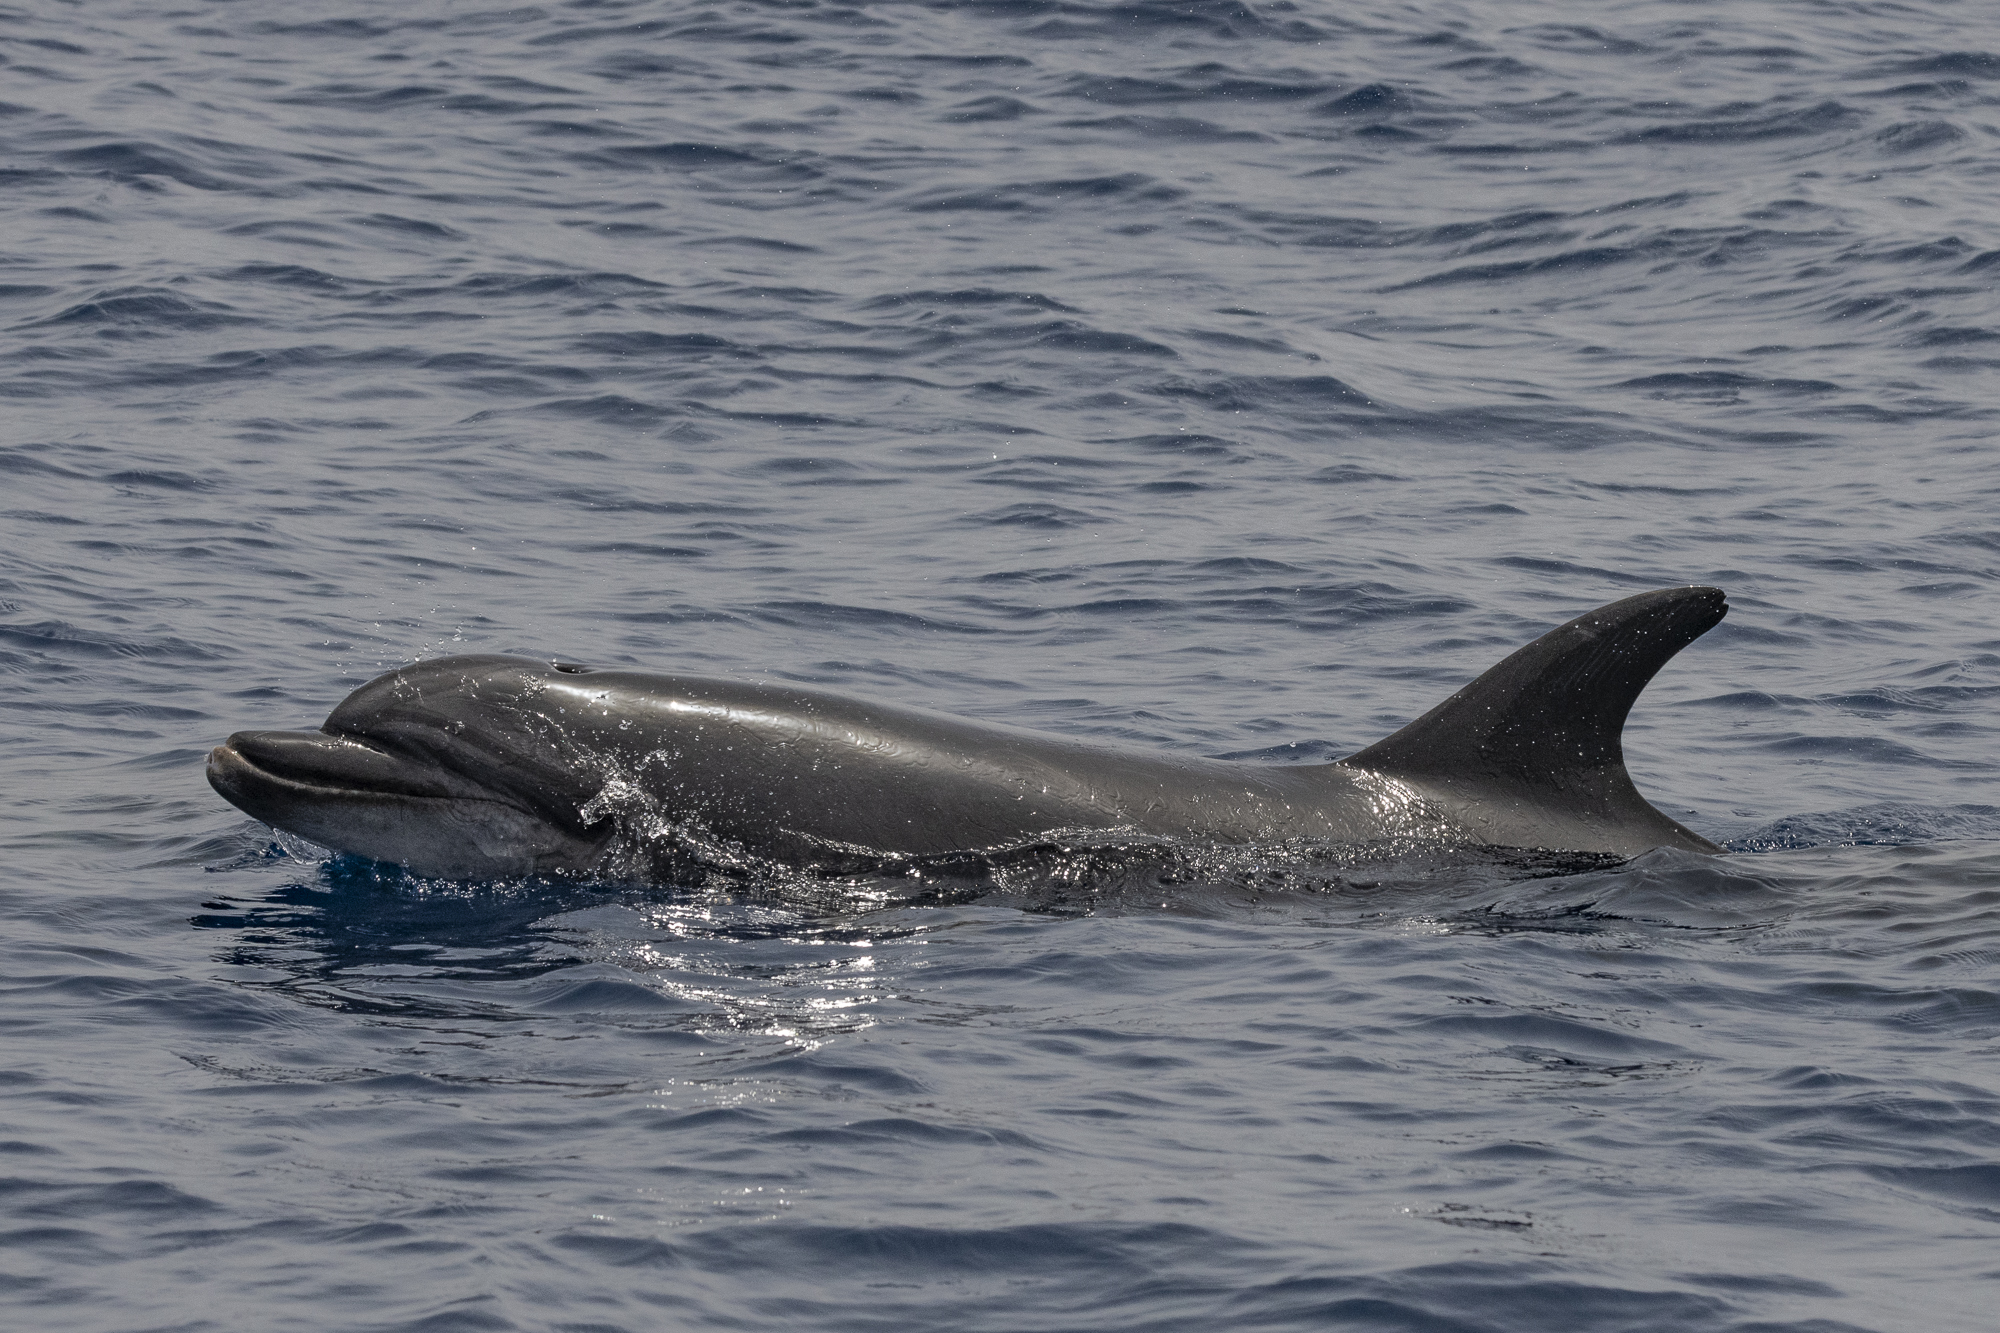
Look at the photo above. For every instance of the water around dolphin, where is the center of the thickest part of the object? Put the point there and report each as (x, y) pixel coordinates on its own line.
(482, 766)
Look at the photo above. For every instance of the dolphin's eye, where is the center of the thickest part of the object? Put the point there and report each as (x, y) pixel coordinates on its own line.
(570, 668)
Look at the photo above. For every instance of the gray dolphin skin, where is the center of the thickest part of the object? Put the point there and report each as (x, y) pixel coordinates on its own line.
(485, 767)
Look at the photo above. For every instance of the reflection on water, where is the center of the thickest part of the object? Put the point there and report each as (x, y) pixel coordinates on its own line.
(359, 937)
(794, 958)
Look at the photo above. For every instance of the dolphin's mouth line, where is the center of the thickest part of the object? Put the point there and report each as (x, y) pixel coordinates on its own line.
(233, 763)
(229, 764)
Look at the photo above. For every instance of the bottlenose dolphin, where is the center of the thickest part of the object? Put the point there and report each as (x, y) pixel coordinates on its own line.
(481, 767)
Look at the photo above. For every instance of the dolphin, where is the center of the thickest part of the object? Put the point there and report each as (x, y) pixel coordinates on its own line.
(485, 767)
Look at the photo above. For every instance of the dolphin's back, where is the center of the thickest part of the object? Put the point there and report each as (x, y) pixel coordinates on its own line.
(802, 774)
(1526, 756)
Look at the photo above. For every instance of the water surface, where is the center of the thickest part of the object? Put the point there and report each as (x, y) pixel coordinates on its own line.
(1225, 378)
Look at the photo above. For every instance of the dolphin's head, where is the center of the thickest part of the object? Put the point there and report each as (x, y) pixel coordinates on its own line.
(458, 768)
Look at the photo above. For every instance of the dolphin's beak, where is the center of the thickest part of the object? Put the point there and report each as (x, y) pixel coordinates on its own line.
(351, 796)
(271, 774)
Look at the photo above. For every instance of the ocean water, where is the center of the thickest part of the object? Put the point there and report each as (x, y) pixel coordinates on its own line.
(1227, 377)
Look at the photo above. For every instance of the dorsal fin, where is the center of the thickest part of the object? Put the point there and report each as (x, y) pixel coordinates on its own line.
(1541, 732)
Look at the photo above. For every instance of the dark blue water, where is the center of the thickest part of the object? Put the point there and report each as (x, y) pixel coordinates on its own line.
(1224, 377)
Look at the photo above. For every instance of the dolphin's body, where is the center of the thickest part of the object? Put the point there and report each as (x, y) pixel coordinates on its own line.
(480, 767)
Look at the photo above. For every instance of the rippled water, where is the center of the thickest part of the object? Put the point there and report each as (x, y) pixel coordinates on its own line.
(1229, 378)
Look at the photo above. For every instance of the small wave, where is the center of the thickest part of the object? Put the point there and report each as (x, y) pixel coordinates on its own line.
(1573, 262)
(1228, 20)
(288, 275)
(1252, 392)
(608, 408)
(1369, 100)
(967, 298)
(648, 343)
(1025, 195)
(1181, 129)
(1888, 823)
(991, 108)
(1964, 64)
(1917, 136)
(136, 163)
(145, 312)
(597, 284)
(407, 226)
(1822, 118)
(1713, 384)
(678, 156)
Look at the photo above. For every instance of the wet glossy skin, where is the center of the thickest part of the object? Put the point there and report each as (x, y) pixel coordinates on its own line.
(482, 766)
